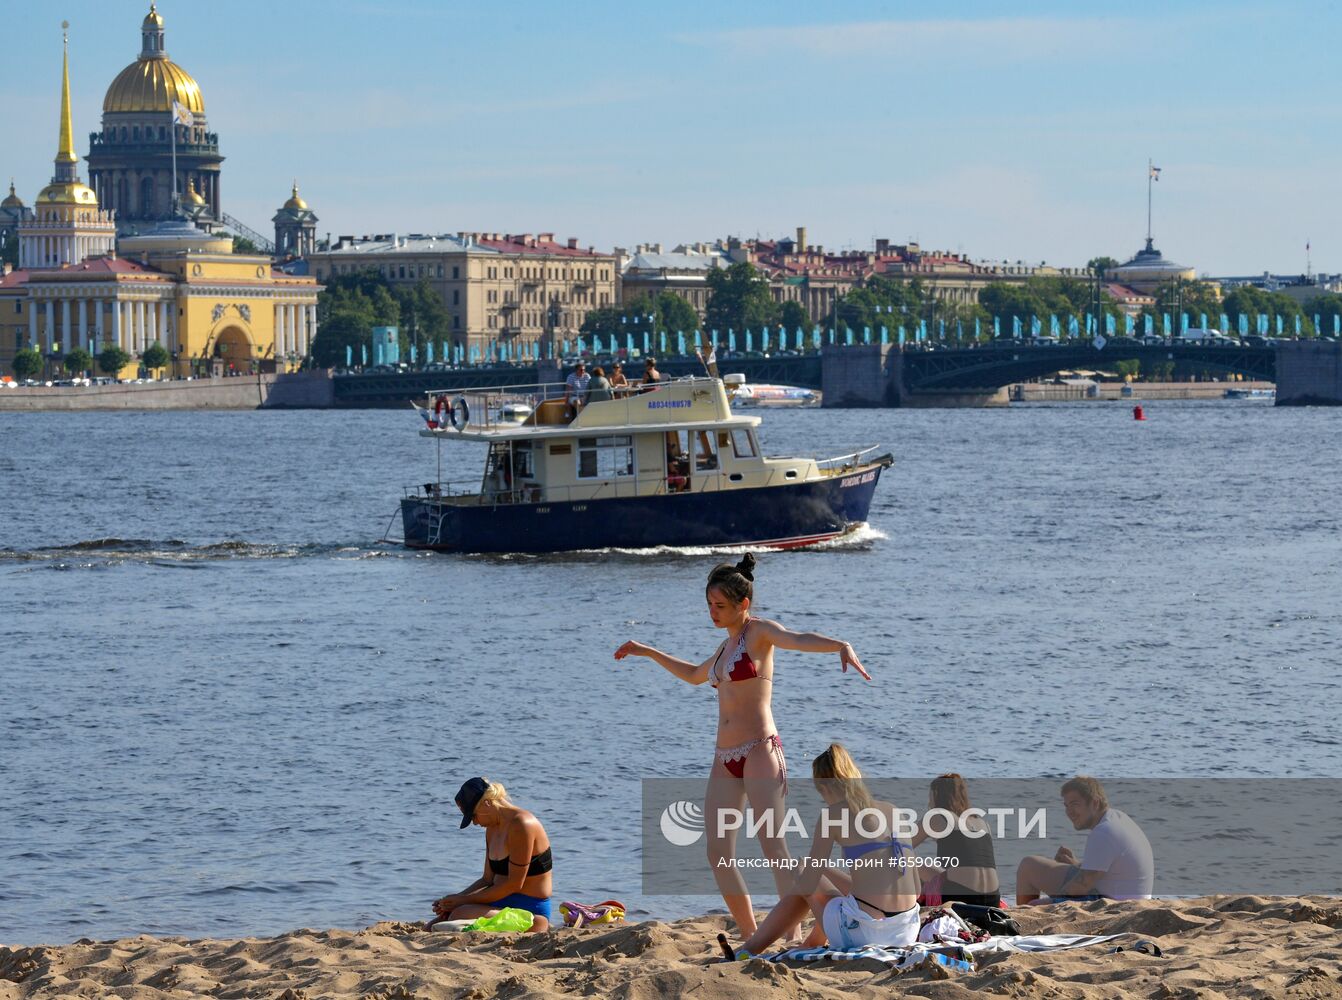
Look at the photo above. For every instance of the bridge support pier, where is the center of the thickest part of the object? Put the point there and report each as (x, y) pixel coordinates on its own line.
(869, 375)
(1309, 373)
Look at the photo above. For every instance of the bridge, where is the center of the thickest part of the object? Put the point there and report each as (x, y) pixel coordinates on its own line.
(915, 375)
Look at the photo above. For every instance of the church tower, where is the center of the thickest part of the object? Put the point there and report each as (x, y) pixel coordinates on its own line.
(152, 105)
(295, 228)
(66, 226)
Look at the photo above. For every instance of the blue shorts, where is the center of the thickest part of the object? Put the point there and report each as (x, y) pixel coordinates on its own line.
(1072, 872)
(521, 901)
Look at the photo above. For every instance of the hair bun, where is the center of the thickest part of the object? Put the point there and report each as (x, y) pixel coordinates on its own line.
(746, 567)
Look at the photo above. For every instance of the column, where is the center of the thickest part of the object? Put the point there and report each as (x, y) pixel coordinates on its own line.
(96, 332)
(32, 323)
(163, 337)
(51, 325)
(150, 325)
(288, 329)
(139, 328)
(84, 324)
(116, 323)
(312, 329)
(301, 315)
(65, 326)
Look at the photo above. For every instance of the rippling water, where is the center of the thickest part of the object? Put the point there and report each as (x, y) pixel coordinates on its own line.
(229, 710)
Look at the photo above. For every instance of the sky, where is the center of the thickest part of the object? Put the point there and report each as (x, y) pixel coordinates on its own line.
(1013, 132)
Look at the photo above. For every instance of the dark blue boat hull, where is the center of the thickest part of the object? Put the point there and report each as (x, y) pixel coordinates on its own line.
(775, 516)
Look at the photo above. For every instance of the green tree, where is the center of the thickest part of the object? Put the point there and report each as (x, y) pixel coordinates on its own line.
(1101, 264)
(243, 245)
(675, 314)
(606, 322)
(112, 360)
(423, 317)
(793, 317)
(739, 299)
(78, 361)
(341, 330)
(27, 363)
(1254, 302)
(1130, 367)
(1328, 308)
(1193, 298)
(155, 356)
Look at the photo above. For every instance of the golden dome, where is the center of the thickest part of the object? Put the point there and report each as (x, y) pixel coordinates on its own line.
(13, 201)
(68, 193)
(192, 195)
(153, 19)
(295, 203)
(152, 85)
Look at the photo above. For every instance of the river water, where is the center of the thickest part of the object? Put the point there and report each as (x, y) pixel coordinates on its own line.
(228, 710)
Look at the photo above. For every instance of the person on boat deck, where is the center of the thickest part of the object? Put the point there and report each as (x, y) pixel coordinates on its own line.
(708, 357)
(1116, 864)
(651, 376)
(575, 387)
(748, 761)
(872, 899)
(973, 879)
(598, 387)
(517, 859)
(617, 378)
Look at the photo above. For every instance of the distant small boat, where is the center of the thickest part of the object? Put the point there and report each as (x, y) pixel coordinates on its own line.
(514, 412)
(1251, 394)
(760, 394)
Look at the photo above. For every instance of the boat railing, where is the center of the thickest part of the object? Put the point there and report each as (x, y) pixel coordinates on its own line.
(485, 406)
(843, 462)
(526, 491)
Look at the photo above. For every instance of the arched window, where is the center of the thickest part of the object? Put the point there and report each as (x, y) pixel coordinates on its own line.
(146, 197)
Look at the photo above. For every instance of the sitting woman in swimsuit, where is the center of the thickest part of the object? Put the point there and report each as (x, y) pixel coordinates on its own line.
(748, 762)
(873, 898)
(517, 859)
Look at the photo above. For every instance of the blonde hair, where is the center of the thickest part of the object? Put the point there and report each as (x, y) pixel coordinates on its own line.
(1088, 788)
(835, 769)
(496, 794)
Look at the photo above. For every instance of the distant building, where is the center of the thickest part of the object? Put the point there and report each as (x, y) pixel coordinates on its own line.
(150, 103)
(516, 288)
(13, 212)
(1146, 270)
(649, 270)
(1300, 287)
(295, 227)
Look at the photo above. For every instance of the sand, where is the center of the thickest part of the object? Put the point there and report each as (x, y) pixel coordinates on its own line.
(1245, 946)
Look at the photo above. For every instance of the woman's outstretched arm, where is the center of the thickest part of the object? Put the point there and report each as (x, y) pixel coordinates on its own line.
(688, 672)
(812, 642)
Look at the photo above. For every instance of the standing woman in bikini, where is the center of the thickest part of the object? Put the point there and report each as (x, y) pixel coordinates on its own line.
(748, 763)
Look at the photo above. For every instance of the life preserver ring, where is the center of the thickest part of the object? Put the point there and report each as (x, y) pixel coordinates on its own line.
(441, 410)
(460, 414)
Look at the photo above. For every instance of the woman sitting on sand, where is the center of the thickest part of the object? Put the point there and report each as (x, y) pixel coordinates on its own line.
(748, 760)
(517, 859)
(973, 879)
(872, 899)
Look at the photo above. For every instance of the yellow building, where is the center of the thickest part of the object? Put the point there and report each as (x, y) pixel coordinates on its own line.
(175, 285)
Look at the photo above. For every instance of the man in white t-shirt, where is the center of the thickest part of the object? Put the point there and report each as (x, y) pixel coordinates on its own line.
(1116, 864)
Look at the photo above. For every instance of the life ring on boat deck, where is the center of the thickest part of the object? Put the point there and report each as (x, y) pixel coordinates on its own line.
(441, 411)
(460, 413)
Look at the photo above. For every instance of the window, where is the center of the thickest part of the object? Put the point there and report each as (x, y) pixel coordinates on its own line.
(440, 270)
(456, 297)
(402, 270)
(743, 443)
(605, 457)
(456, 322)
(456, 272)
(705, 454)
(18, 306)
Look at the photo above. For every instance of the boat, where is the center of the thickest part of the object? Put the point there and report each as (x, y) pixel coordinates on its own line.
(760, 394)
(1251, 394)
(666, 466)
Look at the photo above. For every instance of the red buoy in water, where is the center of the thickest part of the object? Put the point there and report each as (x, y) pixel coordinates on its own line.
(1137, 413)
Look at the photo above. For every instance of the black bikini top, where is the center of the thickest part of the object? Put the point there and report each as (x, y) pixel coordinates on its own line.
(540, 864)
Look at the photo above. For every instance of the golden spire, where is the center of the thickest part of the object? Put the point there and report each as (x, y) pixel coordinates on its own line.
(66, 153)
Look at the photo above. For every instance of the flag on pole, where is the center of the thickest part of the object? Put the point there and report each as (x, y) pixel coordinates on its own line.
(182, 116)
(1155, 173)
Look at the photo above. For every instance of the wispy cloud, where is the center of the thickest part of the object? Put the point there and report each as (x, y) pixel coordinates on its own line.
(1010, 38)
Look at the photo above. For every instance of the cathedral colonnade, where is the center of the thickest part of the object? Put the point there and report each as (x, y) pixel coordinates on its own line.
(94, 321)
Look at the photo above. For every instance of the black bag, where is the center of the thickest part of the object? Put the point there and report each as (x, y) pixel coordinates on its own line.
(992, 919)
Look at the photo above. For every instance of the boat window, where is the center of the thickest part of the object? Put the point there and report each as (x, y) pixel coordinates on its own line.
(705, 454)
(743, 443)
(677, 461)
(605, 457)
(522, 460)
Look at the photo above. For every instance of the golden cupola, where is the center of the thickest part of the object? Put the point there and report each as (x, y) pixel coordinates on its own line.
(295, 202)
(13, 201)
(66, 188)
(153, 82)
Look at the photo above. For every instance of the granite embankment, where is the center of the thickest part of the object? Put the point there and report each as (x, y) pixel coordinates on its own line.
(250, 392)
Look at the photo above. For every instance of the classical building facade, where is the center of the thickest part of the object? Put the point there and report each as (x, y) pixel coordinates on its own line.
(152, 106)
(520, 289)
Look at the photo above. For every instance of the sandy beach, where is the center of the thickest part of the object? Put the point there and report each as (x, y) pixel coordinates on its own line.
(1225, 946)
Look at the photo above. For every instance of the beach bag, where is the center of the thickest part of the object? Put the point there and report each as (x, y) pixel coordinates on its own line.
(992, 919)
(580, 915)
(944, 925)
(509, 920)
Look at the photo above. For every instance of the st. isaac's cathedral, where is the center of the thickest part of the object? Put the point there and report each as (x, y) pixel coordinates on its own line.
(130, 259)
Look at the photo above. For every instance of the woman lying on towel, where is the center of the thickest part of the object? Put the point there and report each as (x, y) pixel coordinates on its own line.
(872, 898)
(517, 859)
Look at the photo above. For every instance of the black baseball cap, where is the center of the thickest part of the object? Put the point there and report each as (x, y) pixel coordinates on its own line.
(469, 797)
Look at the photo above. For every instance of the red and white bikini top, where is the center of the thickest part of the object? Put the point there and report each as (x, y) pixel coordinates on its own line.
(742, 668)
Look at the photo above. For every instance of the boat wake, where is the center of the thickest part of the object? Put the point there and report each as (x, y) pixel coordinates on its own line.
(860, 539)
(100, 552)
